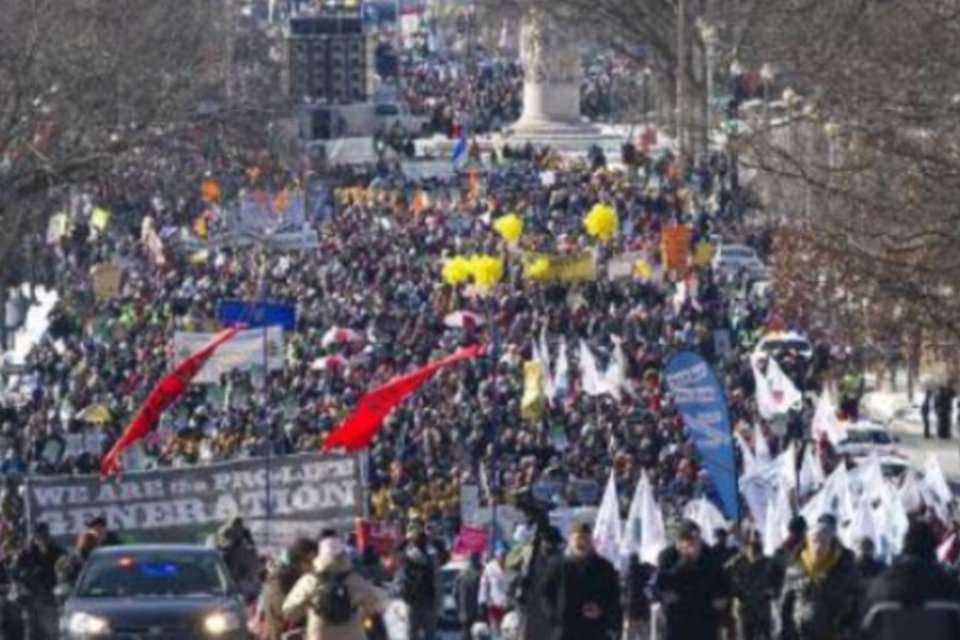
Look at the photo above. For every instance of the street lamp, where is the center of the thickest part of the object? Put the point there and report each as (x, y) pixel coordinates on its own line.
(708, 34)
(646, 95)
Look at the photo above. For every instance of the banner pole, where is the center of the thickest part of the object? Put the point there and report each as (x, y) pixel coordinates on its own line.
(266, 397)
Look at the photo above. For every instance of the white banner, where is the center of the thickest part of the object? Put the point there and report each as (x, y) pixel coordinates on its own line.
(243, 352)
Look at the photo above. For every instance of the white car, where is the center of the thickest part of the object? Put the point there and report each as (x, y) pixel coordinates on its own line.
(783, 341)
(735, 258)
(866, 438)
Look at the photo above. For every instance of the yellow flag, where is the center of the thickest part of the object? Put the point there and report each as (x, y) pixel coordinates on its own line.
(100, 218)
(531, 405)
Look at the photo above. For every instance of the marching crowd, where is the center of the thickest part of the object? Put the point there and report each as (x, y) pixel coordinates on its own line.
(383, 240)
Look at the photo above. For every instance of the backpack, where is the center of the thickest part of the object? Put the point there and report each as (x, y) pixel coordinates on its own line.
(332, 599)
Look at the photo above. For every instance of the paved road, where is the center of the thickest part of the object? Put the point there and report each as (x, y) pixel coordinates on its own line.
(916, 447)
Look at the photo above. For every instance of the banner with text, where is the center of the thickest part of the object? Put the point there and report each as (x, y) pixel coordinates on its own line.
(569, 267)
(244, 352)
(701, 402)
(306, 492)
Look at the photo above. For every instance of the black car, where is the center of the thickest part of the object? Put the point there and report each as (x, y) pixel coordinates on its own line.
(154, 592)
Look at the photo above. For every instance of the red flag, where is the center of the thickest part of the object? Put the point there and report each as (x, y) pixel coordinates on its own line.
(358, 430)
(170, 387)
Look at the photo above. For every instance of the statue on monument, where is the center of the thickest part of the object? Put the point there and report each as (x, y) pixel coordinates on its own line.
(544, 54)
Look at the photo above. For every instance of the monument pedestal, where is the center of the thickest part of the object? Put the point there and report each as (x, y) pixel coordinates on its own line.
(551, 89)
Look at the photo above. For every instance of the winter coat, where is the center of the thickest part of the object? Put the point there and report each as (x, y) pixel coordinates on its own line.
(412, 581)
(570, 586)
(468, 596)
(820, 608)
(494, 586)
(690, 592)
(278, 584)
(636, 589)
(914, 598)
(366, 600)
(751, 583)
(535, 622)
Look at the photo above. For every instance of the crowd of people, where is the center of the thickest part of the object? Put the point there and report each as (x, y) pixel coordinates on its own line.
(383, 239)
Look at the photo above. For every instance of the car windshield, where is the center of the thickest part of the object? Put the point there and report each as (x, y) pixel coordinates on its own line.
(153, 576)
(868, 436)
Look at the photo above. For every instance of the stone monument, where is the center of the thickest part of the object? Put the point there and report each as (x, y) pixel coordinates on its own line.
(552, 74)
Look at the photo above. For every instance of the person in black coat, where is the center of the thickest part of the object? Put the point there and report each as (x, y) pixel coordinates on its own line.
(691, 585)
(915, 597)
(535, 620)
(636, 598)
(867, 564)
(582, 593)
(468, 595)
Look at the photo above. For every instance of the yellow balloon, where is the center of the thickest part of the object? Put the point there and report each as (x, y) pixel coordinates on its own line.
(486, 270)
(601, 222)
(510, 227)
(456, 270)
(538, 269)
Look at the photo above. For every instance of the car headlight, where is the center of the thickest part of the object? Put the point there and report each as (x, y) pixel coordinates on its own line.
(221, 622)
(87, 624)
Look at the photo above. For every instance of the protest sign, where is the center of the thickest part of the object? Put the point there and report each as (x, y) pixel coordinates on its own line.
(244, 352)
(573, 267)
(624, 265)
(306, 493)
(470, 540)
(257, 314)
(259, 211)
(107, 279)
(676, 247)
(381, 536)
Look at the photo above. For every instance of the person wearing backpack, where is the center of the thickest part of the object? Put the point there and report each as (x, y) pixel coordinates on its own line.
(334, 598)
(417, 586)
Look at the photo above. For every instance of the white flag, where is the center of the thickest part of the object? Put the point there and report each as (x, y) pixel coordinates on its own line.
(561, 376)
(761, 449)
(757, 491)
(825, 420)
(607, 528)
(893, 524)
(653, 535)
(633, 528)
(541, 353)
(615, 377)
(933, 477)
(910, 492)
(707, 517)
(788, 466)
(811, 473)
(776, 393)
(592, 382)
(616, 373)
(749, 462)
(777, 525)
(863, 526)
